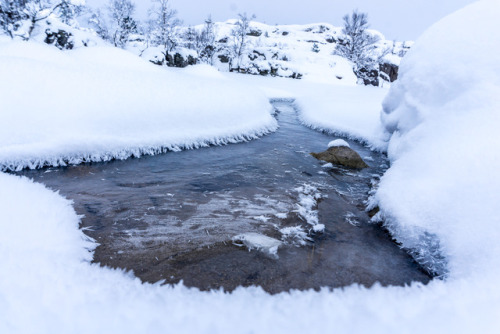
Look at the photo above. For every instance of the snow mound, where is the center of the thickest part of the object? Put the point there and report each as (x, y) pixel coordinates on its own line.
(103, 103)
(440, 197)
(338, 143)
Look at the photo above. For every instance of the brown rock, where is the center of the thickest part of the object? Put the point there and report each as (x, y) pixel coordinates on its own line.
(341, 155)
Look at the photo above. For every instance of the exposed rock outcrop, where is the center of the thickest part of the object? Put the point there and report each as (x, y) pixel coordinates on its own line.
(389, 70)
(60, 39)
(178, 60)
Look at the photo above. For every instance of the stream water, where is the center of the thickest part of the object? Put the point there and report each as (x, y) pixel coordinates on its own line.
(194, 215)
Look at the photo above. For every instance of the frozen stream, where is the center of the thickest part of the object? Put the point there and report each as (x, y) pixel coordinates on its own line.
(193, 215)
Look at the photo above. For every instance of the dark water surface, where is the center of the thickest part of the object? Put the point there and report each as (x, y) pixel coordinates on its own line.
(181, 216)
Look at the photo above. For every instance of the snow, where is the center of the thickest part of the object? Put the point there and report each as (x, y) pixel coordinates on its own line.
(294, 235)
(326, 105)
(102, 103)
(259, 242)
(306, 208)
(442, 119)
(295, 51)
(338, 143)
(47, 285)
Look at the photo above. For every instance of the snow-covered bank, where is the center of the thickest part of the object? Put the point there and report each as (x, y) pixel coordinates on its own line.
(346, 110)
(48, 286)
(101, 103)
(443, 115)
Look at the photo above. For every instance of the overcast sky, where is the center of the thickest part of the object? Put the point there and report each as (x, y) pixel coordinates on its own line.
(396, 19)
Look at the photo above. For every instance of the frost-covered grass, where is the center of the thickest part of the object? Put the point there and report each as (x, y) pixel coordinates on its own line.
(443, 118)
(102, 103)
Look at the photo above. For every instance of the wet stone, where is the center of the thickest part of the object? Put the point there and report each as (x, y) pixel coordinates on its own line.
(341, 155)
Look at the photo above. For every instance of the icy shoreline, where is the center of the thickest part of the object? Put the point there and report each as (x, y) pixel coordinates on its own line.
(123, 154)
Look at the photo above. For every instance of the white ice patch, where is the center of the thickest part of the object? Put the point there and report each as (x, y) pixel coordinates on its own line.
(338, 143)
(306, 208)
(262, 218)
(259, 242)
(294, 235)
(352, 219)
(328, 165)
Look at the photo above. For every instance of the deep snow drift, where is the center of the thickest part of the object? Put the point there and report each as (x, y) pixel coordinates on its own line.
(443, 116)
(100, 103)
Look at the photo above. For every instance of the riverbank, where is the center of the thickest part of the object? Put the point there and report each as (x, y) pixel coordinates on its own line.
(188, 219)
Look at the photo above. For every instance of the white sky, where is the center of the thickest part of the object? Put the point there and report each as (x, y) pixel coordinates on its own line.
(396, 19)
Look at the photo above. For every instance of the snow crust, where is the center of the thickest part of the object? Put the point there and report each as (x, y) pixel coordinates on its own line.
(102, 103)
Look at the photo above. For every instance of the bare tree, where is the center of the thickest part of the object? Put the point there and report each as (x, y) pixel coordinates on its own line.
(20, 17)
(207, 46)
(360, 47)
(240, 37)
(98, 23)
(68, 10)
(11, 15)
(123, 24)
(191, 38)
(163, 25)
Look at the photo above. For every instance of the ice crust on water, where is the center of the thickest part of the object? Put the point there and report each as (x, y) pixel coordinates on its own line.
(259, 242)
(295, 235)
(306, 208)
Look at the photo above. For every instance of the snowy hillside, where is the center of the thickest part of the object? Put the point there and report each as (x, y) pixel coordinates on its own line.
(238, 45)
(291, 51)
